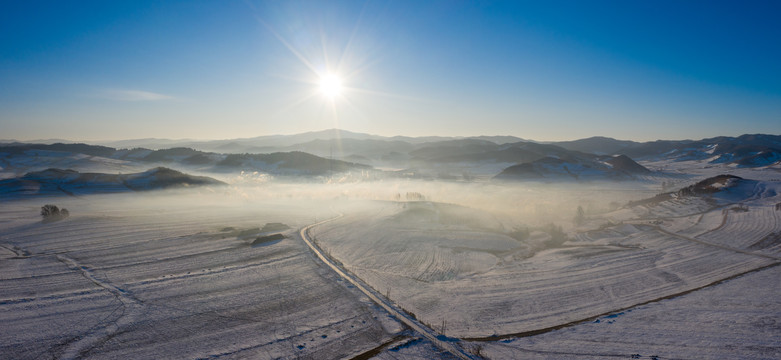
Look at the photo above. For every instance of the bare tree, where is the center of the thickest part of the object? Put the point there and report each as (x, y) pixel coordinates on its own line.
(580, 216)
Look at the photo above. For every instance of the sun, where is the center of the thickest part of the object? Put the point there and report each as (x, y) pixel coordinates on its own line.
(330, 85)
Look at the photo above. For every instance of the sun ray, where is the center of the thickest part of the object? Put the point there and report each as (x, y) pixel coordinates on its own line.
(302, 80)
(386, 94)
(290, 47)
(295, 103)
(324, 46)
(361, 69)
(348, 46)
(355, 108)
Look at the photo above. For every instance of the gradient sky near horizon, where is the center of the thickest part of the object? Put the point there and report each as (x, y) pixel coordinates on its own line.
(542, 70)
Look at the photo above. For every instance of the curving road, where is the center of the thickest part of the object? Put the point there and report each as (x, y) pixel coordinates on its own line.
(450, 345)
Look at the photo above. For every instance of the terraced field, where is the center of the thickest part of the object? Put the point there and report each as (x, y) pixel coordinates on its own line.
(747, 229)
(695, 225)
(718, 322)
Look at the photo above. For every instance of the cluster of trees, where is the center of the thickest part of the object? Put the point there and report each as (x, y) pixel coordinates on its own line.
(520, 233)
(556, 232)
(53, 213)
(415, 196)
(580, 216)
(411, 196)
(667, 186)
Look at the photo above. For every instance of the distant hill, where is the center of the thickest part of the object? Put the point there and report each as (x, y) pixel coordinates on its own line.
(274, 143)
(288, 163)
(94, 150)
(598, 145)
(148, 143)
(71, 182)
(368, 148)
(624, 164)
(23, 158)
(165, 178)
(269, 142)
(333, 150)
(172, 154)
(574, 168)
(750, 150)
(474, 150)
(441, 150)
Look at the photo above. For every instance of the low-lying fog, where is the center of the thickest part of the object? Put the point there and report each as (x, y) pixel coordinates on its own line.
(513, 204)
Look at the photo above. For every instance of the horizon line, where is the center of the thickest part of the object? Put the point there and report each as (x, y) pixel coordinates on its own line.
(98, 141)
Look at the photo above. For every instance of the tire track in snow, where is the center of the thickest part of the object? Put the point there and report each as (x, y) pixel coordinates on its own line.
(132, 309)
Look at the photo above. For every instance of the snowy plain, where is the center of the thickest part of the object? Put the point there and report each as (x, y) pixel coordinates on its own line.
(130, 277)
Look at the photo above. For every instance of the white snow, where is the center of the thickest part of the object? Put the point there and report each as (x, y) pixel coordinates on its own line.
(738, 319)
(142, 277)
(494, 287)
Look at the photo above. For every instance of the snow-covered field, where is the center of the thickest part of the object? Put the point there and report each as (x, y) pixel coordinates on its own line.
(130, 277)
(738, 319)
(174, 274)
(477, 283)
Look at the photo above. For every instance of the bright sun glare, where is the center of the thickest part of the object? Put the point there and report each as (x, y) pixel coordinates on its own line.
(330, 85)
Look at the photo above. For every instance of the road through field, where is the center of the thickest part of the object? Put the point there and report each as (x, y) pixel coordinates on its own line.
(450, 345)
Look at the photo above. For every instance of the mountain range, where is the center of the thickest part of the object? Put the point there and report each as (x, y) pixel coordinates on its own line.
(337, 151)
(748, 150)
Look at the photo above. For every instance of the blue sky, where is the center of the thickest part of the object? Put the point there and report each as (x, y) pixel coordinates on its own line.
(553, 70)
